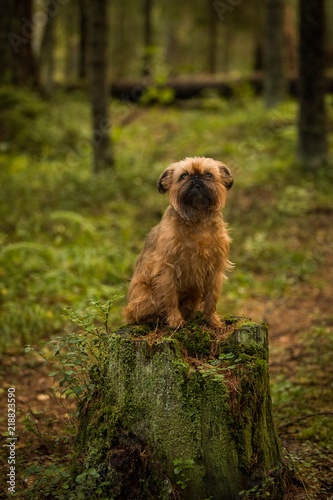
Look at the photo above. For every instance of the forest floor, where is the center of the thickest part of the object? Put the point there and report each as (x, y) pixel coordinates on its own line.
(68, 236)
(301, 374)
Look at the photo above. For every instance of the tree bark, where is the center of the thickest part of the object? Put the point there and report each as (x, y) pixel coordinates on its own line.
(16, 32)
(99, 91)
(312, 145)
(6, 51)
(275, 80)
(83, 22)
(258, 58)
(160, 401)
(291, 40)
(227, 37)
(148, 37)
(212, 36)
(47, 52)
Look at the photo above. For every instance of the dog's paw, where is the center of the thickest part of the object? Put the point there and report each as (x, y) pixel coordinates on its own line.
(214, 321)
(174, 320)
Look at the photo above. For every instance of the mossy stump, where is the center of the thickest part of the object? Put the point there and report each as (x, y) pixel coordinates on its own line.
(188, 414)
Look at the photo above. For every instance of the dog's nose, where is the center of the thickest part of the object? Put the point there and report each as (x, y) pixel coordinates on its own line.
(196, 178)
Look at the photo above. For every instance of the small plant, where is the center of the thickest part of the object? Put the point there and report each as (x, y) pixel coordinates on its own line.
(75, 358)
(215, 370)
(76, 355)
(260, 490)
(182, 466)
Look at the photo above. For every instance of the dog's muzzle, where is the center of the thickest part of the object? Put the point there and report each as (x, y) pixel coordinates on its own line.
(198, 195)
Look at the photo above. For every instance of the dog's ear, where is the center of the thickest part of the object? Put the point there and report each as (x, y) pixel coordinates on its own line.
(165, 180)
(226, 176)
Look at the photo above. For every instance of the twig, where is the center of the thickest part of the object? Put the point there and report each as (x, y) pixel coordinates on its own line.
(303, 418)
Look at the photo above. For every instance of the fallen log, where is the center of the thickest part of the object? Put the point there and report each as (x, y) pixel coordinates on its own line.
(186, 88)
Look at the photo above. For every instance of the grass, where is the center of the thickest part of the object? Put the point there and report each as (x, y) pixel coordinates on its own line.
(68, 236)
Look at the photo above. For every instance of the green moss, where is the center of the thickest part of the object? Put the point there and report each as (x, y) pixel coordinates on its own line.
(230, 320)
(173, 412)
(195, 338)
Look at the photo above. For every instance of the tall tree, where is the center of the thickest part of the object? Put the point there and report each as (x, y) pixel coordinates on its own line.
(6, 50)
(83, 21)
(47, 52)
(99, 88)
(312, 145)
(275, 79)
(16, 32)
(148, 36)
(212, 36)
(291, 38)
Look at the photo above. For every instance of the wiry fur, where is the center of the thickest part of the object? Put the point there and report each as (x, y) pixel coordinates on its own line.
(181, 268)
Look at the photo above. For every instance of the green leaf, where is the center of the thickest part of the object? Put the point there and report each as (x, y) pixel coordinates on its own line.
(81, 477)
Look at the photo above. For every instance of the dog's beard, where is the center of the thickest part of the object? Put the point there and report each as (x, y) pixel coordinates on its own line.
(197, 196)
(197, 200)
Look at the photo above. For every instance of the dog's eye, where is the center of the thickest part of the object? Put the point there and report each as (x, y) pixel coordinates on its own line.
(183, 176)
(208, 175)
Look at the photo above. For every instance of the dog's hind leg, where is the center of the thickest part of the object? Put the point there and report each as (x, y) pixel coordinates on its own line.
(141, 306)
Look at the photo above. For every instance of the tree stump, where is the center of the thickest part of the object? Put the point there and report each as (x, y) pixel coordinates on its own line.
(184, 413)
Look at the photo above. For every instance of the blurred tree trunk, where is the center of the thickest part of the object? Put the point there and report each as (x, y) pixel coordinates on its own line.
(120, 56)
(312, 119)
(6, 50)
(148, 37)
(172, 47)
(291, 39)
(70, 41)
(16, 31)
(83, 22)
(212, 48)
(258, 56)
(99, 89)
(47, 52)
(275, 85)
(226, 49)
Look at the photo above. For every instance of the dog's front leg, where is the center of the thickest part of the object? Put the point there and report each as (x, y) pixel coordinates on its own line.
(210, 300)
(166, 295)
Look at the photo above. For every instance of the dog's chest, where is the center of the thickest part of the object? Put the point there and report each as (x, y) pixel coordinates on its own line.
(202, 246)
(199, 249)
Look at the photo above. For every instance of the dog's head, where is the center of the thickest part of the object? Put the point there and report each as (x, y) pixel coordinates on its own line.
(197, 186)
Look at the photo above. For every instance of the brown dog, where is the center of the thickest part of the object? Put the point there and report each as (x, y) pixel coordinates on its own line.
(182, 265)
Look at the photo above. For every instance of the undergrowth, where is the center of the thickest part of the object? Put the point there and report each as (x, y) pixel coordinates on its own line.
(74, 358)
